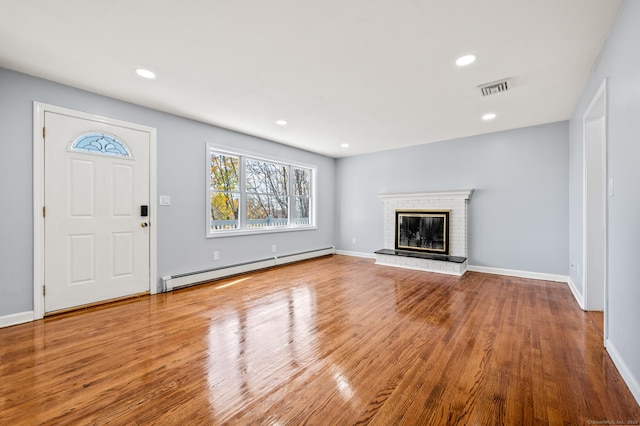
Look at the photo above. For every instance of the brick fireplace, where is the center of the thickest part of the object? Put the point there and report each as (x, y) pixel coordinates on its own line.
(455, 202)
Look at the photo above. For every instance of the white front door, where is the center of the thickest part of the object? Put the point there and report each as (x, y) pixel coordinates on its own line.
(96, 234)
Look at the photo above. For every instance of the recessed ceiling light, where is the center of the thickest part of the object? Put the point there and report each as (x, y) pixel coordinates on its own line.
(145, 73)
(489, 116)
(344, 145)
(465, 60)
(281, 122)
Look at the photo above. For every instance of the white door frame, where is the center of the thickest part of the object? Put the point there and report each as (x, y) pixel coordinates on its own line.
(597, 109)
(39, 110)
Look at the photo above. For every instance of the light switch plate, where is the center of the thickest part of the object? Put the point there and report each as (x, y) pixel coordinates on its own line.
(165, 200)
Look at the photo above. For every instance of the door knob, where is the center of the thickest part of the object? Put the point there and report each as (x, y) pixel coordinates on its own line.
(144, 224)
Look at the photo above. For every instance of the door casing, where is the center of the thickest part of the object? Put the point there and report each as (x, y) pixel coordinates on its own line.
(592, 182)
(39, 110)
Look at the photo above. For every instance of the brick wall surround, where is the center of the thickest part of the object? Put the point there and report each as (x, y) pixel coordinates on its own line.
(455, 201)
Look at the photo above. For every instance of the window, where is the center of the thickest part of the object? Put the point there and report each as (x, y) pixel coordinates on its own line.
(100, 143)
(248, 194)
(225, 191)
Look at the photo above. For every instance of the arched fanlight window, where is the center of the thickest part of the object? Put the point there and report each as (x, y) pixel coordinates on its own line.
(101, 143)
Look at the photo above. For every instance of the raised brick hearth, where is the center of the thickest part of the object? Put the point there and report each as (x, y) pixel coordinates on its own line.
(456, 201)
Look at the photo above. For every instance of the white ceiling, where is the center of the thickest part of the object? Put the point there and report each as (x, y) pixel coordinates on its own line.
(376, 74)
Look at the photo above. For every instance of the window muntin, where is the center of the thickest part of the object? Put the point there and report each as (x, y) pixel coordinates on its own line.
(249, 194)
(101, 143)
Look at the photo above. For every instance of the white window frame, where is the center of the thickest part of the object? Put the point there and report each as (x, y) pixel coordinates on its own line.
(242, 216)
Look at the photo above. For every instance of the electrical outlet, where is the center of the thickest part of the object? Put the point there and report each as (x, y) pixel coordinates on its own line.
(273, 248)
(216, 255)
(353, 240)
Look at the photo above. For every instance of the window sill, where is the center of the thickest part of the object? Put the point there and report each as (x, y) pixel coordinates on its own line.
(258, 231)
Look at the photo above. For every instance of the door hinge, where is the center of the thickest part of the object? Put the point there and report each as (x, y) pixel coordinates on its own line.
(44, 290)
(44, 132)
(44, 211)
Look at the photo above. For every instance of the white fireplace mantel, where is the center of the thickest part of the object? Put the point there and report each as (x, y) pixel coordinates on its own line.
(457, 193)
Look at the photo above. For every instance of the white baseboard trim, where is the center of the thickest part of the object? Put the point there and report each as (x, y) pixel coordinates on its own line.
(173, 282)
(519, 274)
(15, 319)
(576, 293)
(356, 254)
(632, 382)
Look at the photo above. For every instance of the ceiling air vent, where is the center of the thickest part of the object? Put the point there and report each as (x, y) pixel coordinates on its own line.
(494, 87)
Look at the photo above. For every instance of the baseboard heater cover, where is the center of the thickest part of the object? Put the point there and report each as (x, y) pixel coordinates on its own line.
(173, 282)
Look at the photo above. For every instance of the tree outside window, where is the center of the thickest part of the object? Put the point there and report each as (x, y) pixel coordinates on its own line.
(267, 194)
(248, 193)
(225, 191)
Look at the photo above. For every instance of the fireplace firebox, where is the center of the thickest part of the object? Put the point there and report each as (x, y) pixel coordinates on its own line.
(423, 231)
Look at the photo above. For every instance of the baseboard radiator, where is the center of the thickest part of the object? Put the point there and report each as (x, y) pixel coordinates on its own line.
(173, 282)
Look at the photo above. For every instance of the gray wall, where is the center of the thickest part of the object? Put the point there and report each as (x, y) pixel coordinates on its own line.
(182, 246)
(620, 63)
(518, 213)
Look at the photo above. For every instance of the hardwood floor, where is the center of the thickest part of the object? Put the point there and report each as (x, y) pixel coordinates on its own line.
(597, 318)
(333, 341)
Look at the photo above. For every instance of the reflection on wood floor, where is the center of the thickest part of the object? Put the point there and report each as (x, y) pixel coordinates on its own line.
(332, 341)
